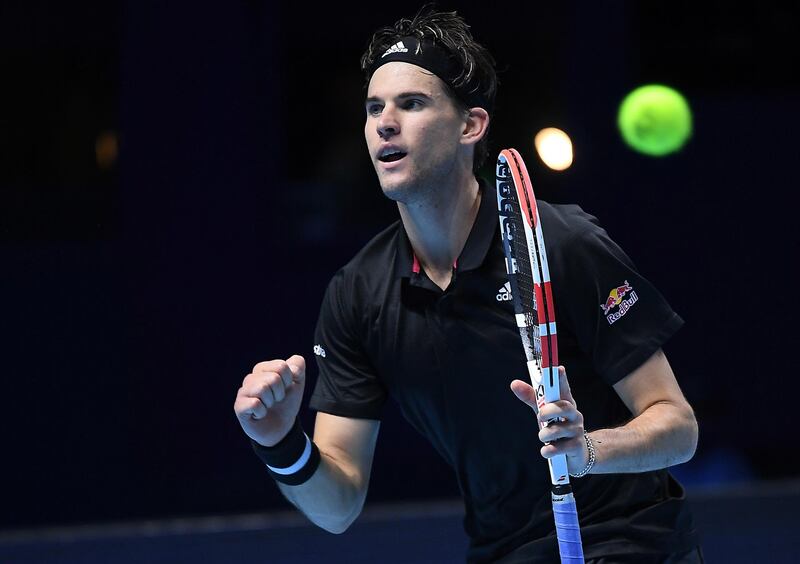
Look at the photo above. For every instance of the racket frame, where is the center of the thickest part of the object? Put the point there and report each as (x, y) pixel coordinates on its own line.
(512, 175)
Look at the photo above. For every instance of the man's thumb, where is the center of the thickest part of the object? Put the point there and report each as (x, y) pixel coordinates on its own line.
(297, 364)
(524, 392)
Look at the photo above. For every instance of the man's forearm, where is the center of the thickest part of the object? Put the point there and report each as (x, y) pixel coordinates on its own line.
(663, 435)
(330, 498)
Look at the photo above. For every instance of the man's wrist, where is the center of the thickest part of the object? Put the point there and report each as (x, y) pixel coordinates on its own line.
(592, 457)
(293, 460)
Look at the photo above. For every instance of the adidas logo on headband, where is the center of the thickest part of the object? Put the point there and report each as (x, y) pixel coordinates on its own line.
(396, 48)
(429, 55)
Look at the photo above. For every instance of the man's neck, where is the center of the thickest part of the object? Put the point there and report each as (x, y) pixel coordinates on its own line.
(438, 227)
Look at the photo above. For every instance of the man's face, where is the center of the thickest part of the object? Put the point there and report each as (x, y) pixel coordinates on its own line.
(412, 129)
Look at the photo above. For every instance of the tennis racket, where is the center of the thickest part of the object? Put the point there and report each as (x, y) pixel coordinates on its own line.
(532, 296)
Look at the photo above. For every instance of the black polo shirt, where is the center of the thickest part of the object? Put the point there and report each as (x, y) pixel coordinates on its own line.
(447, 358)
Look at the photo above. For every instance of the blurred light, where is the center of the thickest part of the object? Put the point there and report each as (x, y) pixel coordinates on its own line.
(554, 148)
(106, 149)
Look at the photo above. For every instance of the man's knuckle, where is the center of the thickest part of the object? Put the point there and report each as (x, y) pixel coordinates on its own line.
(265, 391)
(268, 365)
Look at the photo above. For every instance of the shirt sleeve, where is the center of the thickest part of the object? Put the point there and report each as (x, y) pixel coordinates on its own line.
(347, 384)
(619, 318)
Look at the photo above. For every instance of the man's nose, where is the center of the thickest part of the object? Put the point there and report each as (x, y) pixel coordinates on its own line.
(388, 124)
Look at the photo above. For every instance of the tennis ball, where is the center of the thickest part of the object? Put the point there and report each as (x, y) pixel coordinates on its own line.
(655, 120)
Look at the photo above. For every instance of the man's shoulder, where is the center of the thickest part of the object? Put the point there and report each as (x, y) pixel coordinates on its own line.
(373, 262)
(565, 223)
(378, 251)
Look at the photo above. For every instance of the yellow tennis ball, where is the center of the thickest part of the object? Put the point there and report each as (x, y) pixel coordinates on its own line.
(655, 120)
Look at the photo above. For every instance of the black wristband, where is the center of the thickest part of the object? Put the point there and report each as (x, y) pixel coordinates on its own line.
(293, 460)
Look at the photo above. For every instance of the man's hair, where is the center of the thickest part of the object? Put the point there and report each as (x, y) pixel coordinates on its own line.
(450, 32)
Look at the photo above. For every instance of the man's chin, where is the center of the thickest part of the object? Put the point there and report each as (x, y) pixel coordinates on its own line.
(394, 189)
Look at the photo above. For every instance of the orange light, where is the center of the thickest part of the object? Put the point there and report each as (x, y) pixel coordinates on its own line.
(106, 150)
(554, 147)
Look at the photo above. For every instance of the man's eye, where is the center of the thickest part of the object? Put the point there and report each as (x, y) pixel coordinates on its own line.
(412, 104)
(374, 109)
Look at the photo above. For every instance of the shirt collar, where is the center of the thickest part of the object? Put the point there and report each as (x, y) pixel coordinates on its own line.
(476, 247)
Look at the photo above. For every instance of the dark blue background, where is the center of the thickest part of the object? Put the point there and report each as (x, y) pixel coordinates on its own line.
(135, 300)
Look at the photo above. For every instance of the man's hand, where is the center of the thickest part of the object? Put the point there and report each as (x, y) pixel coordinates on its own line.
(564, 432)
(269, 399)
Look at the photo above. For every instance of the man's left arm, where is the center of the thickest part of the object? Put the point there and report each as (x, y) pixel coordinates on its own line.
(662, 432)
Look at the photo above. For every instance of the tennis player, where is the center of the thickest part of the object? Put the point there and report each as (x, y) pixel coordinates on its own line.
(423, 314)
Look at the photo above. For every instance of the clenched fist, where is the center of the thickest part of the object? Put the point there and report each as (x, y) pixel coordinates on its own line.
(269, 399)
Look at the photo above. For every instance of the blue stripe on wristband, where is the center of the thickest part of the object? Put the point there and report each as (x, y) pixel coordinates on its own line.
(297, 466)
(293, 460)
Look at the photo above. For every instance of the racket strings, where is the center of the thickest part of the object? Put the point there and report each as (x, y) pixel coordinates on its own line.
(520, 268)
(526, 300)
(538, 311)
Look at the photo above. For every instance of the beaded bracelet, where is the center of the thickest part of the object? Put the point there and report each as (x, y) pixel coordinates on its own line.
(590, 446)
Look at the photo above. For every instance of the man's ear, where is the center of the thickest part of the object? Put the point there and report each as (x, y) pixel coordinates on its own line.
(476, 126)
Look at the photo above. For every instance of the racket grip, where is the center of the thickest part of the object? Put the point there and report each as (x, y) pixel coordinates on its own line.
(568, 530)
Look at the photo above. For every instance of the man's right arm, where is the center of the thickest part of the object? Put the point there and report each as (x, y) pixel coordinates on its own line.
(334, 496)
(267, 405)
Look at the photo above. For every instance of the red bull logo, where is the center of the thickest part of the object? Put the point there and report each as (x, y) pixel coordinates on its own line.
(616, 297)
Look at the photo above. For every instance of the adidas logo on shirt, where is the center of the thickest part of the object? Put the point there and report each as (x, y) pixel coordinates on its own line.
(504, 293)
(396, 48)
(319, 351)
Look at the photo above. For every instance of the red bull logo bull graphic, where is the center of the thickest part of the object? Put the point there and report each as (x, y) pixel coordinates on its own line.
(616, 298)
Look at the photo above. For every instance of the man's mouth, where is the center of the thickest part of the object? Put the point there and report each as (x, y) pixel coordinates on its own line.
(391, 155)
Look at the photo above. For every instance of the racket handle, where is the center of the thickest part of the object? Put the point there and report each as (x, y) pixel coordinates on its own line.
(567, 529)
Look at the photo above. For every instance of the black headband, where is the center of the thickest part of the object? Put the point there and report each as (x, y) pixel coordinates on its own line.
(431, 57)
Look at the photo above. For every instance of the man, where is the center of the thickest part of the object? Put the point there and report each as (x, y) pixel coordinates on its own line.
(417, 314)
